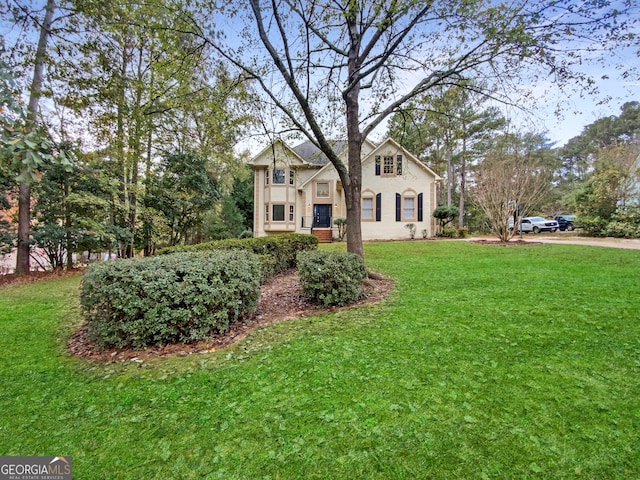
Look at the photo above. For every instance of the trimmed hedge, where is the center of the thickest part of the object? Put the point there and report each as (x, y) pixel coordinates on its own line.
(281, 248)
(184, 297)
(331, 278)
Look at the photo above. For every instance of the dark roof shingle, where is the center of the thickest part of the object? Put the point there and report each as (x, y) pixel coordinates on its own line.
(312, 154)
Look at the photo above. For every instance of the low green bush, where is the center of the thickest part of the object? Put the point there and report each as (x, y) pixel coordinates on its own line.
(267, 267)
(622, 230)
(282, 248)
(450, 232)
(593, 226)
(331, 278)
(184, 297)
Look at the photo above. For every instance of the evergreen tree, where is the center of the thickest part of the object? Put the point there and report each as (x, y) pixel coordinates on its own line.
(182, 190)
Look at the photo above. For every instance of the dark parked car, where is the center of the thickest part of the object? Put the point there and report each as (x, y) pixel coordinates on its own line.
(566, 222)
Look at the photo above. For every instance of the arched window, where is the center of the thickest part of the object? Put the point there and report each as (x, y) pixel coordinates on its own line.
(371, 206)
(408, 206)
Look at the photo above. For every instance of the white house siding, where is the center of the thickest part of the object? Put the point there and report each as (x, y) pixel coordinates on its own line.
(416, 181)
(268, 195)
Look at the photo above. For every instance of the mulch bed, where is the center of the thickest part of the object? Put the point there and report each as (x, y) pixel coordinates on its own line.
(14, 278)
(510, 243)
(280, 299)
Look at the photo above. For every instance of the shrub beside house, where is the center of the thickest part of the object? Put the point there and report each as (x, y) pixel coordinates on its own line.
(195, 292)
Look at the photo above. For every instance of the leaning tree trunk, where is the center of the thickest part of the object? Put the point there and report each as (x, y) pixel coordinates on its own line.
(23, 263)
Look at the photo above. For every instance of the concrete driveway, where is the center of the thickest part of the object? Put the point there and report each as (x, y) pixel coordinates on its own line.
(570, 239)
(630, 243)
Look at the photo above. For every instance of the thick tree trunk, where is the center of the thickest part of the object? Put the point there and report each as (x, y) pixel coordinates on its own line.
(23, 263)
(463, 181)
(462, 193)
(149, 247)
(123, 194)
(133, 201)
(67, 223)
(135, 143)
(353, 193)
(353, 187)
(352, 199)
(449, 175)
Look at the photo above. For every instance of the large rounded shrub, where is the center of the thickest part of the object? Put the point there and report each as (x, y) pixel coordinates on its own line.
(277, 252)
(331, 278)
(184, 297)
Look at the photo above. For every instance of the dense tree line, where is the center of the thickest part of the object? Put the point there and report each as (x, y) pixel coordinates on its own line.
(601, 167)
(596, 175)
(120, 119)
(147, 119)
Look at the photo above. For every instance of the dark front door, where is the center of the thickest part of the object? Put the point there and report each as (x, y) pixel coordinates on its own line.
(321, 216)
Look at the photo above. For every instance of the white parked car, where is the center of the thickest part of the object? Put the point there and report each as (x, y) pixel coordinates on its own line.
(538, 224)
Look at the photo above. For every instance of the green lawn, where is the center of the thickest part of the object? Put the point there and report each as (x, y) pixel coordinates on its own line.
(485, 362)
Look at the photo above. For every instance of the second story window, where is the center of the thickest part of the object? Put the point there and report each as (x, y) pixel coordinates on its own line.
(322, 190)
(388, 166)
(277, 177)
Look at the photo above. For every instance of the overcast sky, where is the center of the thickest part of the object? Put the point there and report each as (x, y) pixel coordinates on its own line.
(561, 114)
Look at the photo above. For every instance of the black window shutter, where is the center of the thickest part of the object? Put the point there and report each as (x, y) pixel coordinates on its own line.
(399, 165)
(398, 207)
(420, 196)
(378, 207)
(378, 165)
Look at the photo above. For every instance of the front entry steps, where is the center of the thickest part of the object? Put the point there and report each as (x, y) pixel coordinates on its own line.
(325, 235)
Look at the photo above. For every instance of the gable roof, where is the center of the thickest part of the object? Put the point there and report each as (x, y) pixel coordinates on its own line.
(312, 154)
(390, 141)
(385, 143)
(270, 152)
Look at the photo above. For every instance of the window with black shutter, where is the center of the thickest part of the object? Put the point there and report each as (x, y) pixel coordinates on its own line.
(378, 207)
(420, 202)
(378, 165)
(398, 207)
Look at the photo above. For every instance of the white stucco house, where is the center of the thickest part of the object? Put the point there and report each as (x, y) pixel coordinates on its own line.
(297, 189)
